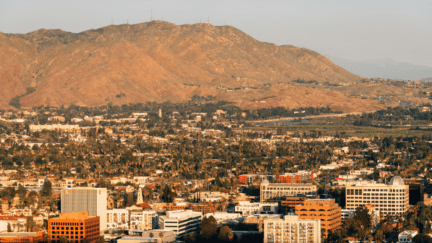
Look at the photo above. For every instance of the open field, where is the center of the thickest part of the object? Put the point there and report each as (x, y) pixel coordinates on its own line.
(350, 130)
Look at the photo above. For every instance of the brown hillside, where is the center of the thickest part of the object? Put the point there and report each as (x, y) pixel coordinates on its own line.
(160, 61)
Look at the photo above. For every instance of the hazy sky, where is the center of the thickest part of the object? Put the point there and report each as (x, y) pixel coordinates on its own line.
(355, 30)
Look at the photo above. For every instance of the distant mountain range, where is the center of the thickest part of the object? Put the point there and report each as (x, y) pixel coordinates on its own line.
(384, 68)
(159, 61)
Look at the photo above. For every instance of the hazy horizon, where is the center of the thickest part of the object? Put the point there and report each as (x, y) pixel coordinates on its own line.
(356, 31)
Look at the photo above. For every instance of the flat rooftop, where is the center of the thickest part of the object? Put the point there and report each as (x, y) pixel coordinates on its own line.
(291, 184)
(18, 234)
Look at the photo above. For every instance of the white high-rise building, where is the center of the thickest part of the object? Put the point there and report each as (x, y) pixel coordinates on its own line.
(92, 200)
(291, 229)
(392, 199)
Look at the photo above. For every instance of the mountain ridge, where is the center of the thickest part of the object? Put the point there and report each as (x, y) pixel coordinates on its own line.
(384, 68)
(157, 61)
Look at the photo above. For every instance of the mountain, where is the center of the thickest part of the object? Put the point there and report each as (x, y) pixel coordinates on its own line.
(160, 61)
(384, 68)
(426, 80)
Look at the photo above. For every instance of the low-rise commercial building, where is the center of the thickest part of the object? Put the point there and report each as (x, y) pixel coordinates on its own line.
(407, 236)
(22, 237)
(248, 208)
(181, 222)
(250, 178)
(276, 192)
(298, 177)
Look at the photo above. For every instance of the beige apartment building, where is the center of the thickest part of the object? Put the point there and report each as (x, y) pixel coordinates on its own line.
(275, 192)
(292, 229)
(392, 198)
(143, 220)
(87, 199)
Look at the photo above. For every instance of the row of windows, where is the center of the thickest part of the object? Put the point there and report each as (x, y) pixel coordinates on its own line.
(66, 232)
(67, 228)
(64, 223)
(288, 189)
(381, 209)
(69, 237)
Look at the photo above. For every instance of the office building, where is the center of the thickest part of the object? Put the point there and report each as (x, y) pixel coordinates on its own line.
(326, 210)
(87, 199)
(347, 214)
(75, 226)
(181, 222)
(392, 198)
(292, 229)
(248, 208)
(276, 192)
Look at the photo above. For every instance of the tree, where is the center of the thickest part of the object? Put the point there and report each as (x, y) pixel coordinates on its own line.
(46, 189)
(29, 223)
(208, 227)
(101, 240)
(130, 200)
(9, 228)
(362, 214)
(190, 238)
(422, 238)
(63, 239)
(15, 102)
(167, 194)
(30, 90)
(226, 234)
(22, 191)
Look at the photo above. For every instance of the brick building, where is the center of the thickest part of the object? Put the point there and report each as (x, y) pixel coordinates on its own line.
(21, 237)
(289, 204)
(298, 177)
(75, 226)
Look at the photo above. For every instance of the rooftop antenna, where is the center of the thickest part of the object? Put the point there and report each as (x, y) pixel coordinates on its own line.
(127, 21)
(151, 15)
(112, 21)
